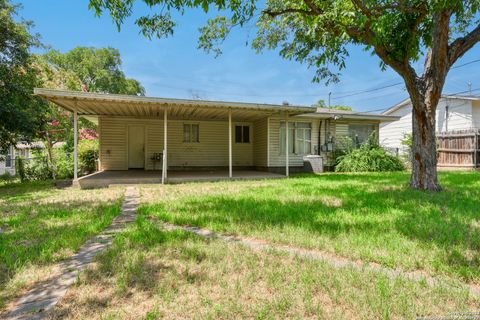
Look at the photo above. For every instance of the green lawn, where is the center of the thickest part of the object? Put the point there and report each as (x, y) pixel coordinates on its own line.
(41, 225)
(372, 217)
(152, 274)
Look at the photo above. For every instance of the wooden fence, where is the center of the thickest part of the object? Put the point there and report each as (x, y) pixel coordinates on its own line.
(459, 149)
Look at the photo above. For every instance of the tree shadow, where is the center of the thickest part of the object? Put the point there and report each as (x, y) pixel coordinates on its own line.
(42, 234)
(369, 205)
(18, 191)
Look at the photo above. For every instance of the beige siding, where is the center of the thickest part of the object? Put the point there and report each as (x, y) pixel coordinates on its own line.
(341, 129)
(113, 144)
(260, 152)
(295, 160)
(212, 150)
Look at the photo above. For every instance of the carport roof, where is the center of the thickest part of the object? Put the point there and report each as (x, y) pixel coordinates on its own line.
(97, 104)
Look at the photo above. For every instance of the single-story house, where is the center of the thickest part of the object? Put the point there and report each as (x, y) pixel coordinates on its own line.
(454, 113)
(209, 138)
(23, 149)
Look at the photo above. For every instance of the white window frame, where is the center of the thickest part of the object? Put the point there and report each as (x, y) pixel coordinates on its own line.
(294, 128)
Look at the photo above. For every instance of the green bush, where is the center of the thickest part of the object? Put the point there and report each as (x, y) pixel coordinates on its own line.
(369, 158)
(63, 164)
(38, 168)
(88, 155)
(20, 169)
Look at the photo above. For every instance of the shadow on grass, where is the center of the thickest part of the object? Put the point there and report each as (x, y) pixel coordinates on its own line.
(368, 205)
(18, 191)
(43, 233)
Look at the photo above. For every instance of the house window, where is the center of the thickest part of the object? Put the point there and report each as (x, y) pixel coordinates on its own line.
(191, 132)
(299, 137)
(359, 133)
(8, 158)
(242, 134)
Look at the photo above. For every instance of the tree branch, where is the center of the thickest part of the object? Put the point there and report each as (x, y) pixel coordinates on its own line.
(461, 45)
(312, 6)
(273, 14)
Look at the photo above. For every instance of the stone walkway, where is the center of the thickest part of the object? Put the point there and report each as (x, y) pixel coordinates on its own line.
(45, 295)
(332, 259)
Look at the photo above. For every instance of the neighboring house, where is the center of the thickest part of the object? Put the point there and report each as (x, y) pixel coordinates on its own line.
(453, 113)
(23, 149)
(135, 131)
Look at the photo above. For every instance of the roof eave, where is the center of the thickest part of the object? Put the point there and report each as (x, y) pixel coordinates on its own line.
(52, 94)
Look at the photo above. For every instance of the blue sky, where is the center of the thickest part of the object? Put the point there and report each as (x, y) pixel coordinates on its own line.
(175, 68)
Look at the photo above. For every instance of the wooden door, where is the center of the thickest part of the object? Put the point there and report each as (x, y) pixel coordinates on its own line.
(136, 147)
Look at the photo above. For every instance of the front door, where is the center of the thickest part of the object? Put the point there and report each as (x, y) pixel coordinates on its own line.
(136, 147)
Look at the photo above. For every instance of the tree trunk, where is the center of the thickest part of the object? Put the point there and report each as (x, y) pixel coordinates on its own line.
(424, 144)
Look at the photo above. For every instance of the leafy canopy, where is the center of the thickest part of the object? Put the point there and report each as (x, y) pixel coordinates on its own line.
(93, 69)
(316, 32)
(87, 68)
(21, 114)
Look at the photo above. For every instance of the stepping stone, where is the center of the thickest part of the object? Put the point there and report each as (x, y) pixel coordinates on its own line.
(45, 295)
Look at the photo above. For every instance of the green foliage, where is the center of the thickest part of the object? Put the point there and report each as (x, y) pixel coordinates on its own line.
(63, 164)
(407, 140)
(20, 168)
(343, 146)
(314, 32)
(6, 178)
(321, 104)
(99, 69)
(21, 114)
(369, 158)
(88, 155)
(38, 168)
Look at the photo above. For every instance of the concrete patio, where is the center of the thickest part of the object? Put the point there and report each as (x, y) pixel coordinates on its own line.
(103, 179)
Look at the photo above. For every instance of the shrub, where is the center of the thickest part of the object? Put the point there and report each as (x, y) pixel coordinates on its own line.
(343, 146)
(369, 158)
(88, 155)
(63, 164)
(20, 169)
(38, 168)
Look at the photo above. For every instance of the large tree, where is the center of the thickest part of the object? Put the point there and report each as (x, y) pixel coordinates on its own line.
(320, 33)
(82, 68)
(21, 114)
(98, 69)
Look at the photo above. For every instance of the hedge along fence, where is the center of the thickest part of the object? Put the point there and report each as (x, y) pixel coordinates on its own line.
(459, 149)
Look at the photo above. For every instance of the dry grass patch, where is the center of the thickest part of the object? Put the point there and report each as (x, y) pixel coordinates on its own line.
(151, 194)
(149, 273)
(42, 225)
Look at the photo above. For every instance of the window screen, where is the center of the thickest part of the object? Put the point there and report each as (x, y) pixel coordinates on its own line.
(191, 132)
